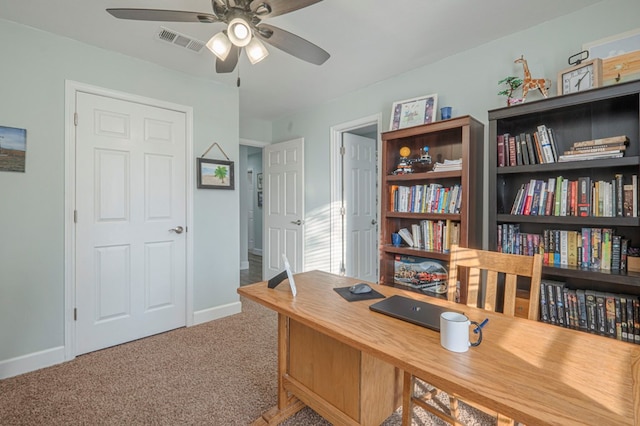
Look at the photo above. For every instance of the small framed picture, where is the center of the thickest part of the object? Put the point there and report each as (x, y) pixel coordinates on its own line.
(413, 112)
(259, 181)
(259, 198)
(215, 174)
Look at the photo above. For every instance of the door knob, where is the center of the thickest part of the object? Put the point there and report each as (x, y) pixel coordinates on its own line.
(373, 221)
(177, 229)
(297, 222)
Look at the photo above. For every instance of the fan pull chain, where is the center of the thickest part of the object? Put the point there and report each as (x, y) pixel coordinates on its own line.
(238, 81)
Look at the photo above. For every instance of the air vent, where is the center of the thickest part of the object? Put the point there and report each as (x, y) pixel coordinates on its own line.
(180, 40)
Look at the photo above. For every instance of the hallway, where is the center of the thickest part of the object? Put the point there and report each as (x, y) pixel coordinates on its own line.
(254, 273)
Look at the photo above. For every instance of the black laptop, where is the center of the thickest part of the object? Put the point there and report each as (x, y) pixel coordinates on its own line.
(411, 310)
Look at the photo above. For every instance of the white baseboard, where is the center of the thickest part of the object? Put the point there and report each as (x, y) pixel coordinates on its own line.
(218, 312)
(244, 265)
(31, 362)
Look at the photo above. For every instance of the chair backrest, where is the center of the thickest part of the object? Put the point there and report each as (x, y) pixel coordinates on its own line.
(511, 265)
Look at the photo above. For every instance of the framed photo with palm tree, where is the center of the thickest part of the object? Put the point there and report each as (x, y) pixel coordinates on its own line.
(215, 174)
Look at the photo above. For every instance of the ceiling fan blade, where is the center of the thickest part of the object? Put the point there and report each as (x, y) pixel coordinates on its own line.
(229, 64)
(163, 15)
(280, 7)
(292, 44)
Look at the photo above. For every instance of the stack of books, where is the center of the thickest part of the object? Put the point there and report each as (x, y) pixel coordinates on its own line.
(448, 165)
(594, 149)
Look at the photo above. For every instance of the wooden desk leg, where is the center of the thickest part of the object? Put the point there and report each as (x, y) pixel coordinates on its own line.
(635, 373)
(287, 405)
(407, 392)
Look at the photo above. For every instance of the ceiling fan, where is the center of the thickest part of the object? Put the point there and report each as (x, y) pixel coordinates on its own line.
(244, 29)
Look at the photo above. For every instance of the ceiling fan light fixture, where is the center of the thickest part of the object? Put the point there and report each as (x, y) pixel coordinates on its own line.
(239, 32)
(220, 45)
(256, 51)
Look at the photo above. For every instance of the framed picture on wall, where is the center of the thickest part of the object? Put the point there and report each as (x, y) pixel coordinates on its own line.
(259, 181)
(259, 198)
(215, 174)
(413, 112)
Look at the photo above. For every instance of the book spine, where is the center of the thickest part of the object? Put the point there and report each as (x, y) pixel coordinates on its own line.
(501, 162)
(513, 155)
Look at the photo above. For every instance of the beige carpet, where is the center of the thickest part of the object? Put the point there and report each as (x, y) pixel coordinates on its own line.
(219, 373)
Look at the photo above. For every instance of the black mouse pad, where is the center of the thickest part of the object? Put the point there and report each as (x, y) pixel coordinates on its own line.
(344, 292)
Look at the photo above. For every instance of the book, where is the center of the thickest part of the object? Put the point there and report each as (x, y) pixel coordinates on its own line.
(519, 159)
(595, 149)
(601, 314)
(582, 310)
(623, 318)
(616, 246)
(590, 309)
(525, 152)
(624, 244)
(596, 242)
(590, 156)
(584, 196)
(613, 139)
(552, 141)
(550, 201)
(513, 155)
(501, 162)
(605, 247)
(545, 144)
(627, 200)
(619, 195)
(610, 318)
(630, 319)
(634, 195)
(406, 236)
(544, 308)
(533, 159)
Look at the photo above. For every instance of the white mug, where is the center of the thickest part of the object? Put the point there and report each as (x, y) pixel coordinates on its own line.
(454, 332)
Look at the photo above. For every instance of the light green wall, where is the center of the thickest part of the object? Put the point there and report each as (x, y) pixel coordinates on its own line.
(466, 81)
(33, 71)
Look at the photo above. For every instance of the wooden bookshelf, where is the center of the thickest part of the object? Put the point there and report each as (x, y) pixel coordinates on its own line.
(599, 113)
(457, 138)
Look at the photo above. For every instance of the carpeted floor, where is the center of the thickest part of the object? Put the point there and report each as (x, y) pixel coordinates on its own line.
(219, 373)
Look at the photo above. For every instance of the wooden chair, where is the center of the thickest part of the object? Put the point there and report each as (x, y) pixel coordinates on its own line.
(473, 264)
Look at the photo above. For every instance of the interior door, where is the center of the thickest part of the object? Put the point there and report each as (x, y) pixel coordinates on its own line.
(130, 227)
(360, 213)
(283, 206)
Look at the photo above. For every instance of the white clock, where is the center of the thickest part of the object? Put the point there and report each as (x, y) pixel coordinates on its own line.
(584, 76)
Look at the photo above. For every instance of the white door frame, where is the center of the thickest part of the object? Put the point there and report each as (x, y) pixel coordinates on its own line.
(261, 145)
(71, 88)
(337, 230)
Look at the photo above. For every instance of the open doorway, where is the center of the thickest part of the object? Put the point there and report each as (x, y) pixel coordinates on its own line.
(251, 213)
(355, 196)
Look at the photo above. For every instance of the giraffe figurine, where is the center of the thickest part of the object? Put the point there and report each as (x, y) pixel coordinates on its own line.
(531, 84)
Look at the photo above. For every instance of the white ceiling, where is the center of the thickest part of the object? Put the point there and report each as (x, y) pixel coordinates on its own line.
(369, 40)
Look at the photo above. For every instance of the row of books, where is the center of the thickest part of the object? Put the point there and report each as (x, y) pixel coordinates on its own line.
(431, 198)
(613, 147)
(613, 315)
(589, 248)
(559, 196)
(538, 147)
(432, 235)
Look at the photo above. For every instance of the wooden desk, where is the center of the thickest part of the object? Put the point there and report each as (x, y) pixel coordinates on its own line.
(533, 372)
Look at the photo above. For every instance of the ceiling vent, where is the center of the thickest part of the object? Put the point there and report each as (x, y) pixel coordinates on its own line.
(180, 40)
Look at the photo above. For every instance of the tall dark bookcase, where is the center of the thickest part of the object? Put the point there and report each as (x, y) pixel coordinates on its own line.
(594, 114)
(456, 138)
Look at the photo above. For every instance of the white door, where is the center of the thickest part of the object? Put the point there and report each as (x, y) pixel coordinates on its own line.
(360, 213)
(283, 206)
(131, 214)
